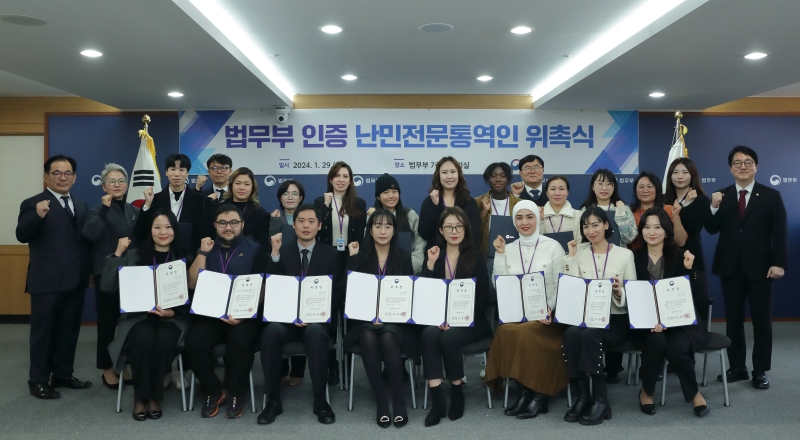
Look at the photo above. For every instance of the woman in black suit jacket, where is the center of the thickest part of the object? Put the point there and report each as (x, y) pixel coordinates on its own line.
(381, 255)
(661, 259)
(344, 214)
(242, 193)
(457, 259)
(448, 189)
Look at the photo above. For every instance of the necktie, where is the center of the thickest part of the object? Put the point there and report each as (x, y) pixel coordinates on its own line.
(177, 195)
(535, 194)
(66, 206)
(304, 261)
(742, 202)
(221, 193)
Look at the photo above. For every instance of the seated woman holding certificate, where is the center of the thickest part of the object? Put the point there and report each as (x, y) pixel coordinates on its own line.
(529, 352)
(440, 344)
(381, 255)
(150, 340)
(584, 347)
(660, 259)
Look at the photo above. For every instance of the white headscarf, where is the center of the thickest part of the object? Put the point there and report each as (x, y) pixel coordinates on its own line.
(529, 205)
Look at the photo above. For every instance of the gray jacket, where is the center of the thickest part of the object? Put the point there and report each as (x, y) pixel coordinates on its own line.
(104, 227)
(110, 283)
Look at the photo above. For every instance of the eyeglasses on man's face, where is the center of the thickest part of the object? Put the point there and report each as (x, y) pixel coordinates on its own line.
(112, 182)
(225, 223)
(530, 169)
(747, 163)
(222, 168)
(59, 174)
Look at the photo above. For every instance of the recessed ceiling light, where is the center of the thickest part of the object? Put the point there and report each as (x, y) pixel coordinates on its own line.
(22, 20)
(349, 77)
(436, 28)
(755, 56)
(91, 53)
(656, 95)
(484, 78)
(175, 94)
(330, 29)
(521, 30)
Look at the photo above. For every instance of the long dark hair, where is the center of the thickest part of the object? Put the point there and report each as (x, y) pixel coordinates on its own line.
(591, 199)
(147, 246)
(601, 215)
(659, 200)
(466, 250)
(350, 195)
(461, 192)
(394, 263)
(671, 194)
(670, 248)
(400, 211)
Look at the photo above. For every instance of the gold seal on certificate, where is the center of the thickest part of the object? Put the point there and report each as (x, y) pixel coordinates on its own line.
(598, 304)
(315, 299)
(394, 303)
(171, 286)
(675, 305)
(245, 293)
(534, 298)
(461, 302)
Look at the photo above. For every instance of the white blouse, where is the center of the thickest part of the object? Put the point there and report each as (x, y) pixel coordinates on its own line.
(565, 220)
(548, 258)
(618, 263)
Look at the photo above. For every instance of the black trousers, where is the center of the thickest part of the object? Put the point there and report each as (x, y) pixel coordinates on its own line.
(107, 306)
(55, 326)
(584, 347)
(316, 339)
(444, 346)
(206, 333)
(736, 290)
(675, 346)
(151, 346)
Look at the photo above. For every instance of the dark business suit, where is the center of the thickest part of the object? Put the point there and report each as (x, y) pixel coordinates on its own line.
(316, 337)
(541, 201)
(206, 190)
(748, 246)
(191, 214)
(56, 278)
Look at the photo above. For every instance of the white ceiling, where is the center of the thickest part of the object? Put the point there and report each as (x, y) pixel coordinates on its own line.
(792, 90)
(152, 47)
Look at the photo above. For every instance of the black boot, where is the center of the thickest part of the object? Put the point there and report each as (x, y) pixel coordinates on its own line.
(456, 402)
(525, 396)
(438, 406)
(538, 405)
(582, 403)
(600, 409)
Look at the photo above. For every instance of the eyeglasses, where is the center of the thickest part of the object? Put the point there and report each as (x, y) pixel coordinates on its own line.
(113, 182)
(222, 168)
(528, 169)
(224, 224)
(294, 194)
(604, 184)
(739, 163)
(453, 229)
(58, 174)
(645, 187)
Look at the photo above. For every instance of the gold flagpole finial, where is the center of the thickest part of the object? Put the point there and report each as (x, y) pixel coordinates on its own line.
(678, 115)
(146, 120)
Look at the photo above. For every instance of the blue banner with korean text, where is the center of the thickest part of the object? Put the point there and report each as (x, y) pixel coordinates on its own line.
(411, 141)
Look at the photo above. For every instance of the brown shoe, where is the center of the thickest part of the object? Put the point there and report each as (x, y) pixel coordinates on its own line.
(294, 381)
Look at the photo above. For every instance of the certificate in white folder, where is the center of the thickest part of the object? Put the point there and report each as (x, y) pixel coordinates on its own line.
(509, 298)
(315, 299)
(361, 301)
(137, 290)
(641, 304)
(281, 297)
(211, 294)
(245, 294)
(461, 302)
(675, 305)
(571, 300)
(430, 302)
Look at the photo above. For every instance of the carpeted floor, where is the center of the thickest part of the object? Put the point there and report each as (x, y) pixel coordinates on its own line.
(90, 414)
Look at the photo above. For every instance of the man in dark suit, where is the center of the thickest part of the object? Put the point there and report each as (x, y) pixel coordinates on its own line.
(751, 252)
(187, 205)
(304, 257)
(531, 170)
(51, 224)
(219, 168)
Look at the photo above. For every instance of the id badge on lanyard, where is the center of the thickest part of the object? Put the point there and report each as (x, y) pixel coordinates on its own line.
(340, 245)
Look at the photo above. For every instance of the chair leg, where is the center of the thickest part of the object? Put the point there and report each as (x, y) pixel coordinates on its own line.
(722, 354)
(191, 394)
(505, 401)
(252, 392)
(705, 364)
(664, 385)
(119, 394)
(488, 391)
(630, 368)
(352, 371)
(410, 367)
(569, 395)
(638, 360)
(328, 394)
(425, 402)
(264, 404)
(183, 385)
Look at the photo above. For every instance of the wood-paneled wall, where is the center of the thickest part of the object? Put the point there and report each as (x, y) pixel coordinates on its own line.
(13, 271)
(761, 106)
(26, 115)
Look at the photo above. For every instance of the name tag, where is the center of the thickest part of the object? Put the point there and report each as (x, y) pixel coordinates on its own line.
(340, 245)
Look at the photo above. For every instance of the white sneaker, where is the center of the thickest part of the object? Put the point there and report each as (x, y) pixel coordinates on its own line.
(483, 373)
(464, 379)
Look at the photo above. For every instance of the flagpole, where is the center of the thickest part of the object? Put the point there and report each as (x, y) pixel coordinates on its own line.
(681, 130)
(146, 120)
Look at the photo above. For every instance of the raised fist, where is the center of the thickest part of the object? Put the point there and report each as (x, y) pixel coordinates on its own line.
(435, 197)
(499, 245)
(122, 244)
(42, 208)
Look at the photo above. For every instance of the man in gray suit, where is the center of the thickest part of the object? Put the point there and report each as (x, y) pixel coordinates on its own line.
(51, 223)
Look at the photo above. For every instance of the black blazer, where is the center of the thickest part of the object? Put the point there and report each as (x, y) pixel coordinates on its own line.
(429, 220)
(206, 190)
(191, 214)
(324, 261)
(485, 295)
(355, 227)
(104, 227)
(541, 201)
(59, 257)
(758, 240)
(256, 221)
(698, 334)
(694, 218)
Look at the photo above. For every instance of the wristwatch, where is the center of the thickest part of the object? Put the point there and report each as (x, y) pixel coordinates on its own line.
(202, 252)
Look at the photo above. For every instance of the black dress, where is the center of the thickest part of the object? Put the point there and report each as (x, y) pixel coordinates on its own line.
(429, 220)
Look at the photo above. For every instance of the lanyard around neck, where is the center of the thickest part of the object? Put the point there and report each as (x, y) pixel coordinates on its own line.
(341, 216)
(522, 261)
(505, 209)
(594, 260)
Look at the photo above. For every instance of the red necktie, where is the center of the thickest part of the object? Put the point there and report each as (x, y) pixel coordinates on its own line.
(742, 203)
